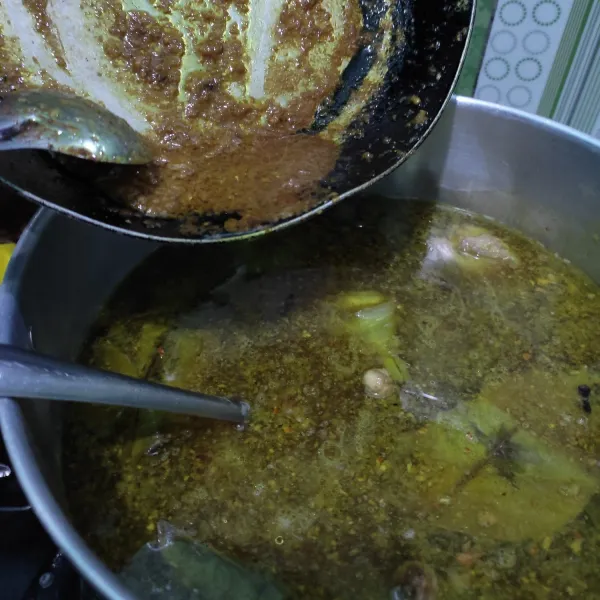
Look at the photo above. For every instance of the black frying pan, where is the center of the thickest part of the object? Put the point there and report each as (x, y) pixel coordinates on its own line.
(422, 71)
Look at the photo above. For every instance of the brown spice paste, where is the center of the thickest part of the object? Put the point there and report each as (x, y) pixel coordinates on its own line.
(152, 51)
(218, 151)
(250, 161)
(255, 178)
(38, 10)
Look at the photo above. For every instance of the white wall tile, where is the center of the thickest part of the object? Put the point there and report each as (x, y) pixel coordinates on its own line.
(523, 42)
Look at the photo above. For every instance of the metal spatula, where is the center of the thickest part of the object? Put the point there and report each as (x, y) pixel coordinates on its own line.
(68, 124)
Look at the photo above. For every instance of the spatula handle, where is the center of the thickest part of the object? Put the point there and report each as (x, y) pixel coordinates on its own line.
(26, 374)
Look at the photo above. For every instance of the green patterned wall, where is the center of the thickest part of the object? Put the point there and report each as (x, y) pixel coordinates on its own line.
(483, 19)
(541, 56)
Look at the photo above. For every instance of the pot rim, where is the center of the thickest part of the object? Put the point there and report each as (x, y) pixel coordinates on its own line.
(12, 420)
(13, 427)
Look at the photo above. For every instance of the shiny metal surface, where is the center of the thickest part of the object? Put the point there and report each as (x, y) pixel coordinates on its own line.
(526, 172)
(66, 124)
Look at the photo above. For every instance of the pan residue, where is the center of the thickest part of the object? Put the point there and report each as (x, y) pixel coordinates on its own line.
(225, 89)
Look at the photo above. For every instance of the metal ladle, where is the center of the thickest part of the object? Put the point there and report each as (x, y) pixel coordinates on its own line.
(27, 374)
(54, 121)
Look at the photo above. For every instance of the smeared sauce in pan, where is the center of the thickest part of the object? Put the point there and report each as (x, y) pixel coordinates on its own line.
(225, 89)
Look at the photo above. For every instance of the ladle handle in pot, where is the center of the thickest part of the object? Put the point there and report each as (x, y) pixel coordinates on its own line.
(25, 374)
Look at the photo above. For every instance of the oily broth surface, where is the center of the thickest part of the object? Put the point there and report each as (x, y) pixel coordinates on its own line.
(482, 468)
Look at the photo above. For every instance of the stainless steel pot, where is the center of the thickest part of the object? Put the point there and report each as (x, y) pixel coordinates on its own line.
(524, 171)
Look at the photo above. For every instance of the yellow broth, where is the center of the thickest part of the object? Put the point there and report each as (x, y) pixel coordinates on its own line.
(473, 476)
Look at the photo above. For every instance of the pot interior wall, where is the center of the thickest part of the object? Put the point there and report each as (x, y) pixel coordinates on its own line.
(525, 173)
(528, 173)
(69, 269)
